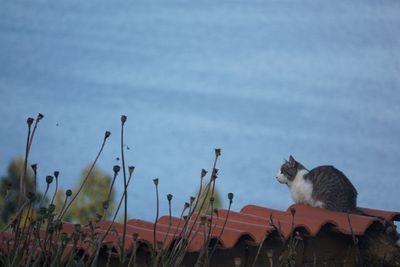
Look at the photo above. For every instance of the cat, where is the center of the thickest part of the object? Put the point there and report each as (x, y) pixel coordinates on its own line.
(325, 187)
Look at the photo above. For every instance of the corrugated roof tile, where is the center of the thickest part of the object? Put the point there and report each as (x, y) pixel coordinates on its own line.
(252, 222)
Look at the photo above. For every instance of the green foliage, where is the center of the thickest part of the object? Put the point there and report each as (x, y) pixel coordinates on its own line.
(90, 200)
(9, 188)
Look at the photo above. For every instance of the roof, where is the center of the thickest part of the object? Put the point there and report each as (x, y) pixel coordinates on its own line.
(255, 223)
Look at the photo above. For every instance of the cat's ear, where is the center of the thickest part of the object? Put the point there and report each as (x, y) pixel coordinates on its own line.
(291, 159)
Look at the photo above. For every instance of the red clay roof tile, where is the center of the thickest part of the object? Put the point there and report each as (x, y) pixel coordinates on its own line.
(255, 222)
(345, 223)
(252, 222)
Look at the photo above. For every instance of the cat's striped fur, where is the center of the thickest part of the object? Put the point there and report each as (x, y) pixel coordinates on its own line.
(324, 187)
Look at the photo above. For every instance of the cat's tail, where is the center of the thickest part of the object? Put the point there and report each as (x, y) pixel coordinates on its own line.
(362, 213)
(389, 226)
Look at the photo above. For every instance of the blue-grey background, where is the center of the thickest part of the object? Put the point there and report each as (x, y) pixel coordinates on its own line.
(259, 79)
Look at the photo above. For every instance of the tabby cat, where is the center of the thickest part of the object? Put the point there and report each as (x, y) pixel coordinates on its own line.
(324, 186)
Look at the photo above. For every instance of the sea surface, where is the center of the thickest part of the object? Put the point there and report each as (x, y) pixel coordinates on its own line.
(260, 79)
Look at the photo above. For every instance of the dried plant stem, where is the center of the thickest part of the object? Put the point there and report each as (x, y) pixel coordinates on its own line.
(123, 120)
(157, 214)
(202, 258)
(355, 241)
(212, 205)
(203, 199)
(23, 176)
(199, 193)
(32, 252)
(38, 118)
(132, 258)
(174, 249)
(44, 195)
(100, 241)
(21, 209)
(55, 191)
(179, 224)
(189, 232)
(28, 149)
(259, 251)
(27, 216)
(18, 234)
(87, 176)
(63, 207)
(109, 194)
(108, 257)
(112, 185)
(169, 220)
(27, 237)
(222, 230)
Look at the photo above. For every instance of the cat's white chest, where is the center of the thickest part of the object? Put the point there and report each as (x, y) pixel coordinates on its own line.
(301, 190)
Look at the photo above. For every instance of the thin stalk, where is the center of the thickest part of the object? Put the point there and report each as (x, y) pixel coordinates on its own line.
(259, 251)
(169, 217)
(132, 258)
(116, 212)
(200, 199)
(63, 207)
(60, 251)
(157, 214)
(22, 178)
(180, 219)
(179, 243)
(34, 168)
(18, 233)
(212, 205)
(175, 247)
(112, 185)
(95, 255)
(38, 118)
(7, 196)
(184, 233)
(26, 241)
(30, 140)
(116, 169)
(73, 251)
(16, 216)
(107, 134)
(176, 258)
(230, 196)
(44, 195)
(27, 217)
(55, 190)
(123, 120)
(203, 252)
(27, 238)
(355, 241)
(108, 258)
(32, 252)
(205, 193)
(203, 173)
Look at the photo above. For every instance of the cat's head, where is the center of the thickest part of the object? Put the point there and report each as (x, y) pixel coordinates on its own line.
(288, 170)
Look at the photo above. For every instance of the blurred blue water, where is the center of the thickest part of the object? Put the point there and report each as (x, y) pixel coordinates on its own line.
(260, 79)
